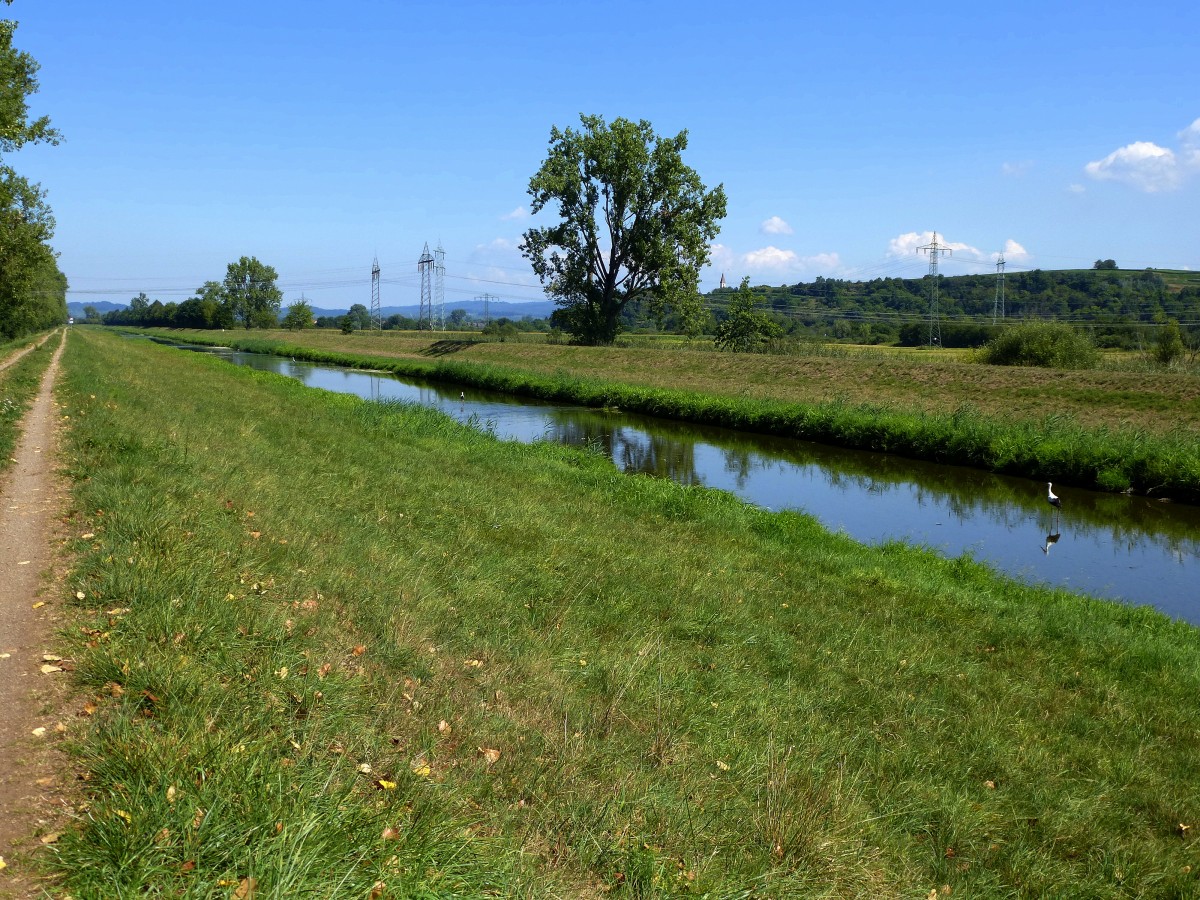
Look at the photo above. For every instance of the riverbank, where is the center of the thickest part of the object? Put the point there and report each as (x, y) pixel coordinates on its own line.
(329, 642)
(1059, 448)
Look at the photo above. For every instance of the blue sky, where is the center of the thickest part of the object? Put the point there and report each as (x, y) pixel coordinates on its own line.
(316, 136)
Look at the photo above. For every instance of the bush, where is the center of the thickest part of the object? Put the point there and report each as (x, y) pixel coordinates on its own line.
(1048, 344)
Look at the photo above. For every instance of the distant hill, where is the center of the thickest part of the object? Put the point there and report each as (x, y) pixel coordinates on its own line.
(75, 308)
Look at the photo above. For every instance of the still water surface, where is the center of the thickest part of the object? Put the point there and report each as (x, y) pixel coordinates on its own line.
(1130, 549)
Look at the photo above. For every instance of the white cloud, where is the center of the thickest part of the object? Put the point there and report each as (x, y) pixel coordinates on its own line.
(1016, 169)
(1143, 164)
(1013, 252)
(770, 258)
(775, 225)
(1077, 189)
(912, 242)
(1189, 144)
(721, 257)
(775, 261)
(519, 213)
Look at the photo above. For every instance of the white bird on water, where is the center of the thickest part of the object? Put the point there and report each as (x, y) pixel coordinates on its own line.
(1051, 497)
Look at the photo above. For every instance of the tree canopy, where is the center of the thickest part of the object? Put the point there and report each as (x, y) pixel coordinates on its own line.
(635, 223)
(251, 294)
(32, 289)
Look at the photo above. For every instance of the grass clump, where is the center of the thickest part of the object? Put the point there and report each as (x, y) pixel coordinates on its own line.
(19, 384)
(1050, 345)
(563, 681)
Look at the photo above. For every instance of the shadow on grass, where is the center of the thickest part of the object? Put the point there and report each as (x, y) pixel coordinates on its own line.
(445, 348)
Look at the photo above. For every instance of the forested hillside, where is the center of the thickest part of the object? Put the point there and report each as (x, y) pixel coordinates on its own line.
(1112, 302)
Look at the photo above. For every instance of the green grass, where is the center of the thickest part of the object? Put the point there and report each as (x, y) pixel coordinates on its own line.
(19, 384)
(1054, 448)
(689, 696)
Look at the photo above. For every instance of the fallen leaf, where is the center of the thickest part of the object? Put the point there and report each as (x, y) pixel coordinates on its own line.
(359, 650)
(365, 768)
(473, 663)
(80, 595)
(198, 819)
(50, 838)
(38, 605)
(391, 834)
(256, 534)
(3, 864)
(245, 890)
(88, 536)
(444, 727)
(122, 814)
(40, 731)
(171, 794)
(990, 785)
(490, 755)
(188, 866)
(722, 765)
(384, 785)
(48, 669)
(377, 890)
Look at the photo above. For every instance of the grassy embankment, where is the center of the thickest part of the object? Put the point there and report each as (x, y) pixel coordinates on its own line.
(19, 384)
(1108, 431)
(333, 645)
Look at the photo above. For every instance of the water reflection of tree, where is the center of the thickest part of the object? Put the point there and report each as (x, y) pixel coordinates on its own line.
(668, 449)
(633, 450)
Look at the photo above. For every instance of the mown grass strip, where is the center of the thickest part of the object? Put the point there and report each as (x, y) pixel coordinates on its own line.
(1055, 448)
(19, 384)
(562, 681)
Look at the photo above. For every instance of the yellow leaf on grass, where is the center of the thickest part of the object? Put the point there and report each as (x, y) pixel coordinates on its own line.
(490, 754)
(245, 889)
(121, 814)
(444, 727)
(48, 669)
(3, 864)
(384, 785)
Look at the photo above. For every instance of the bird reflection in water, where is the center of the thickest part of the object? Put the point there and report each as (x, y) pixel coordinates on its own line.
(1051, 540)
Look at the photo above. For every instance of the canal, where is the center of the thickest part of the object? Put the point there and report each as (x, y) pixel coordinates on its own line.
(1128, 549)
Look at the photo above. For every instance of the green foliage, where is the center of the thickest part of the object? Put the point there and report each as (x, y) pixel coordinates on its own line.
(746, 329)
(250, 293)
(299, 315)
(1047, 344)
(1168, 348)
(635, 223)
(1104, 264)
(32, 289)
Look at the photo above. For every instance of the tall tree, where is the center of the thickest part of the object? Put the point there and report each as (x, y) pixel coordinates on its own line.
(32, 290)
(250, 293)
(634, 223)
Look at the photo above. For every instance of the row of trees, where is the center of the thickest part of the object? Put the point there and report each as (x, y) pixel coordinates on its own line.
(248, 298)
(33, 292)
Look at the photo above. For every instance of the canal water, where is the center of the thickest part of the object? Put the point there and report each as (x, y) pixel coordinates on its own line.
(1129, 549)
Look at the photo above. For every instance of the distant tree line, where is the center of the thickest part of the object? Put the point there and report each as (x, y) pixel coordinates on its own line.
(247, 298)
(1111, 303)
(33, 292)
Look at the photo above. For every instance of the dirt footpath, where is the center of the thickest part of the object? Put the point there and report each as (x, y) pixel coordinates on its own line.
(32, 500)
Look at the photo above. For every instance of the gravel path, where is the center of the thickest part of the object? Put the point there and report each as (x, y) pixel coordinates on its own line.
(32, 501)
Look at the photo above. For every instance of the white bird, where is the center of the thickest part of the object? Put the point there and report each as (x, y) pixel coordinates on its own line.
(1051, 497)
